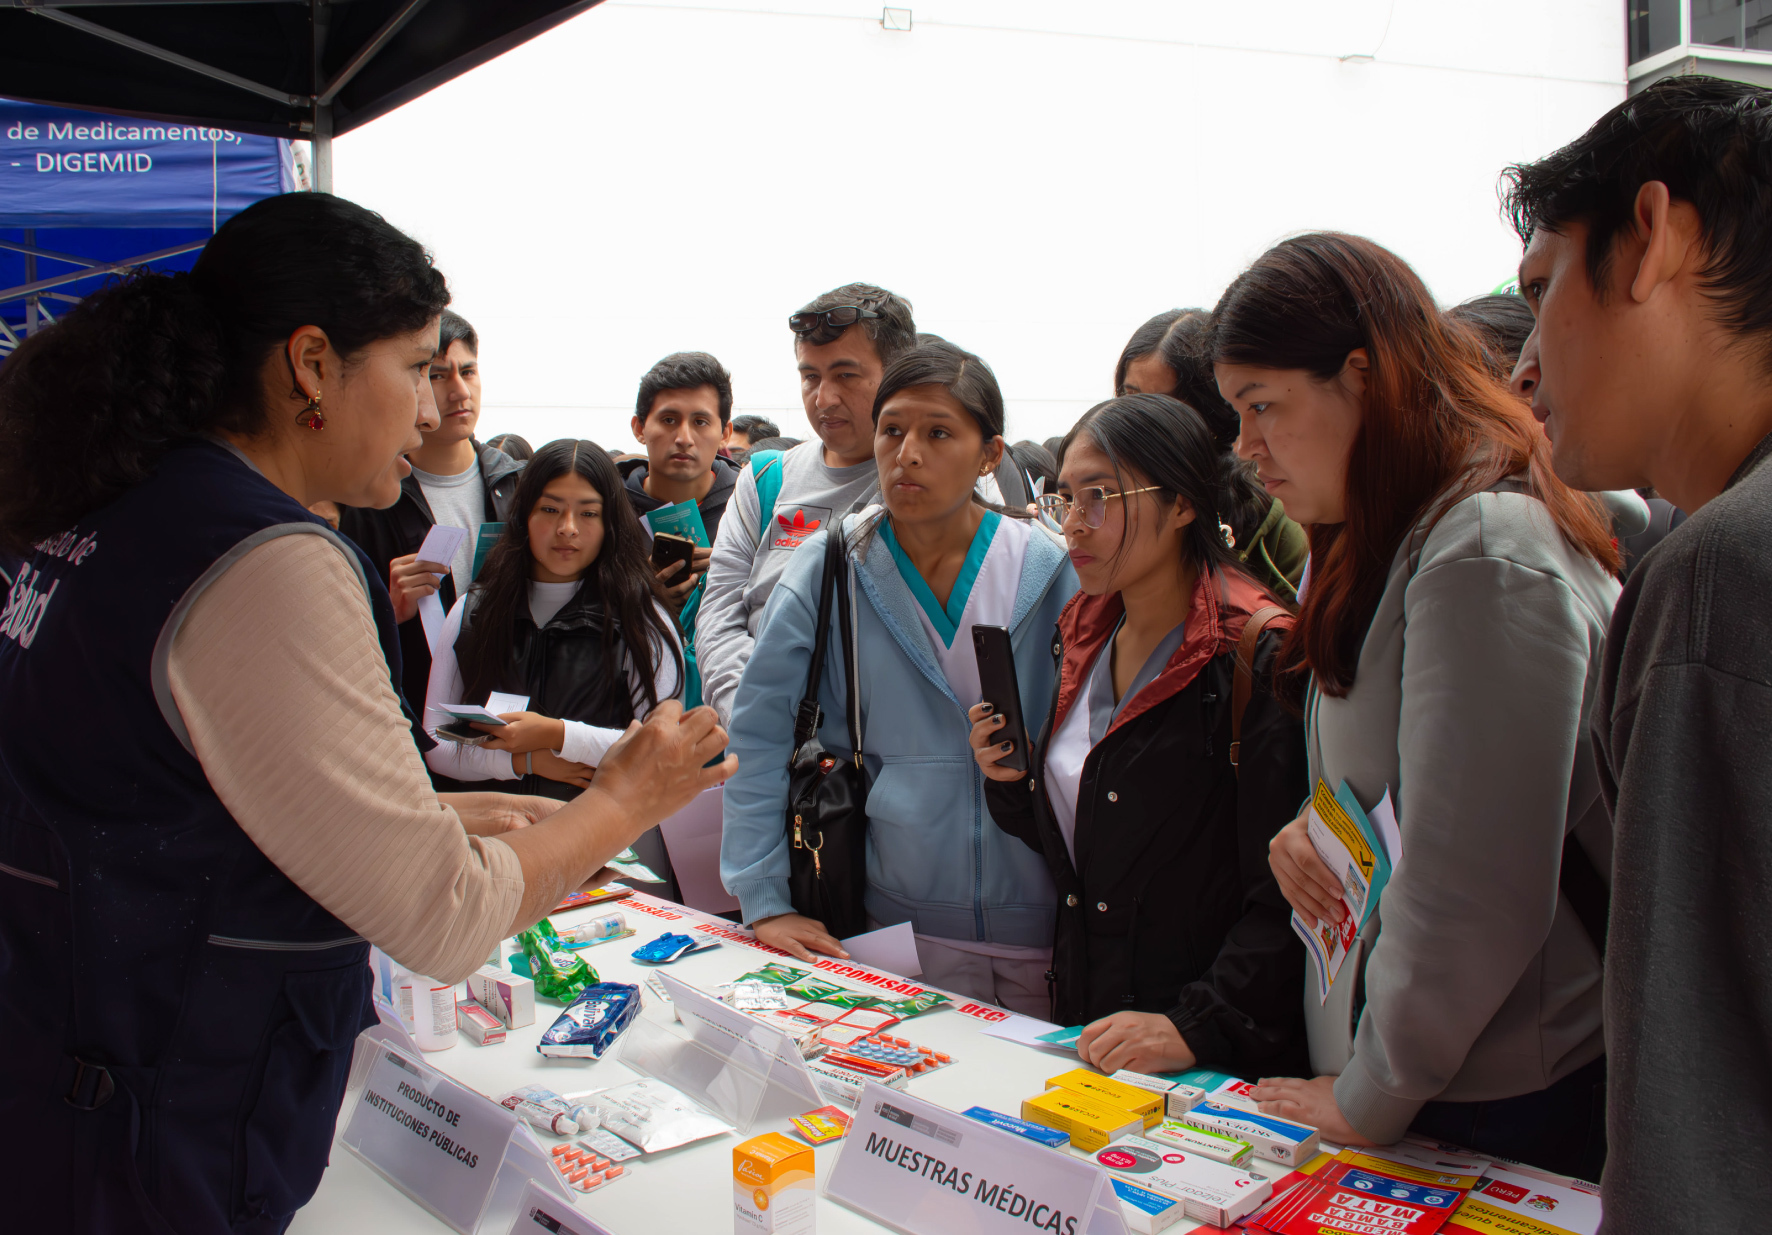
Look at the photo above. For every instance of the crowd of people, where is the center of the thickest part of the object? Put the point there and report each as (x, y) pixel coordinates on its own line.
(1503, 564)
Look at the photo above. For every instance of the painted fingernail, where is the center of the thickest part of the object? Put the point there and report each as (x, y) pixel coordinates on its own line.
(1008, 746)
(998, 719)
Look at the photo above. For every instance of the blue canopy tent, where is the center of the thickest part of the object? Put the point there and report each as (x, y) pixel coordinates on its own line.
(84, 195)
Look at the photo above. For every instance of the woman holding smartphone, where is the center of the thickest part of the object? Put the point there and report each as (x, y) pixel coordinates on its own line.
(926, 569)
(1151, 806)
(185, 923)
(566, 613)
(1447, 651)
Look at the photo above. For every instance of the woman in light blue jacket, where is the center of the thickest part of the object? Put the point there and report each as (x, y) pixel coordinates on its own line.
(923, 571)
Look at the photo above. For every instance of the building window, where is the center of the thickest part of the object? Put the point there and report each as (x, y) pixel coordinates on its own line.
(1654, 26)
(1742, 24)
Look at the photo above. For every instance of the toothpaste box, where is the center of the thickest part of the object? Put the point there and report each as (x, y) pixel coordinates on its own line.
(1052, 1138)
(1209, 1191)
(508, 996)
(772, 1187)
(1274, 1138)
(482, 1028)
(1226, 1149)
(1141, 1102)
(1182, 1099)
(1089, 1122)
(1146, 1213)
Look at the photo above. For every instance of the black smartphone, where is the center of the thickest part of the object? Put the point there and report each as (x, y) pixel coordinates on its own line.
(668, 548)
(996, 678)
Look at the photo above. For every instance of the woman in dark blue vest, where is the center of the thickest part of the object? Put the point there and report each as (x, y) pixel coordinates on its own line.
(184, 919)
(568, 614)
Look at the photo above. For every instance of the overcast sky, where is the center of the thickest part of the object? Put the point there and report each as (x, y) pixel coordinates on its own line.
(1036, 177)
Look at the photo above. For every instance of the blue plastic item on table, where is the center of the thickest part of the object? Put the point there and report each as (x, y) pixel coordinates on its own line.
(668, 947)
(591, 1021)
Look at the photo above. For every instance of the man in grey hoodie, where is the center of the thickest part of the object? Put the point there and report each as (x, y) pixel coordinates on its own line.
(1651, 364)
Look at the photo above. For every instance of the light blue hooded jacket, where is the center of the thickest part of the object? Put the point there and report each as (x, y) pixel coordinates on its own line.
(935, 857)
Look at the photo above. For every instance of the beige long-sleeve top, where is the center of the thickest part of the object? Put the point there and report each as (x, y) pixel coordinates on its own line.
(279, 676)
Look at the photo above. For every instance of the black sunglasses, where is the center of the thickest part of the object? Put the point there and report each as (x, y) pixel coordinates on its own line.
(825, 325)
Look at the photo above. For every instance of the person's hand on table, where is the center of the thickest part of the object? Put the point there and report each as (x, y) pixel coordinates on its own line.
(799, 935)
(1308, 885)
(409, 581)
(491, 814)
(523, 732)
(657, 768)
(1141, 1041)
(989, 744)
(1307, 1102)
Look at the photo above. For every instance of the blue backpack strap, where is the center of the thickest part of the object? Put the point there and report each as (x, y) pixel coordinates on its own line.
(766, 467)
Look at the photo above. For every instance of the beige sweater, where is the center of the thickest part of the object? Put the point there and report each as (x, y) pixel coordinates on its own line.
(279, 676)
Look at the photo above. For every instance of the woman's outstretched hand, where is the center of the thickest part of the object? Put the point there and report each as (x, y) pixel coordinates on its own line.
(656, 768)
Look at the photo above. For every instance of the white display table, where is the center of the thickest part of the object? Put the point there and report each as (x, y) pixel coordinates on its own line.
(687, 1189)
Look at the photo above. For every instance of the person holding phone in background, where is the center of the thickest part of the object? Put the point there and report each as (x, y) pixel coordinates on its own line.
(935, 562)
(1174, 946)
(566, 613)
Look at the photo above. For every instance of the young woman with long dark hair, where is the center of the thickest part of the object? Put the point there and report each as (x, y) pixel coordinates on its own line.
(566, 613)
(1173, 947)
(925, 569)
(1447, 650)
(185, 922)
(1170, 355)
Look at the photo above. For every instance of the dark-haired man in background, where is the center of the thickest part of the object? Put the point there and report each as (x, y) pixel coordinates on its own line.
(1651, 364)
(455, 481)
(843, 342)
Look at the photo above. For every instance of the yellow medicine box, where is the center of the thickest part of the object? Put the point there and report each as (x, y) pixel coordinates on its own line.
(772, 1186)
(1113, 1093)
(1090, 1123)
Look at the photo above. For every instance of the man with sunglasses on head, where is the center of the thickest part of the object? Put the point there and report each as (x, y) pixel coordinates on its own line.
(843, 342)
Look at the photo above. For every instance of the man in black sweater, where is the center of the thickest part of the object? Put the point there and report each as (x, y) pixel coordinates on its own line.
(1651, 364)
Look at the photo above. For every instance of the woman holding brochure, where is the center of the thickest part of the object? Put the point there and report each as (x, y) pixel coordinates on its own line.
(566, 615)
(924, 570)
(184, 923)
(1158, 779)
(1446, 653)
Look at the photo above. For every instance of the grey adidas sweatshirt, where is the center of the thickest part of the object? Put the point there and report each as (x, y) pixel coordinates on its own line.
(1684, 735)
(749, 558)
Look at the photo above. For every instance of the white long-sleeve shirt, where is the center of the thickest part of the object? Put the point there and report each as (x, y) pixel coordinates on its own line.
(583, 743)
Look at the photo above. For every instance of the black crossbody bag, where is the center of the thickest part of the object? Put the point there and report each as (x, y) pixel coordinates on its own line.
(827, 818)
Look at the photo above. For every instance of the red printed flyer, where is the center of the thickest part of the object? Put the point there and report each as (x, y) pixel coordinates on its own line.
(1365, 1194)
(1519, 1202)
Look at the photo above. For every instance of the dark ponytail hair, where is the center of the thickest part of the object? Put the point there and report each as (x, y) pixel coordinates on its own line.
(1182, 339)
(621, 575)
(1169, 445)
(88, 405)
(936, 362)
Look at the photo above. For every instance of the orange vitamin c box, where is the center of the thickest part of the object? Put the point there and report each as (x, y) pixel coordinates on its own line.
(772, 1186)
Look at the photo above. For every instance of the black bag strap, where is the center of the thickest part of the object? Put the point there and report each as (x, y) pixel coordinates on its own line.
(810, 716)
(852, 700)
(1587, 893)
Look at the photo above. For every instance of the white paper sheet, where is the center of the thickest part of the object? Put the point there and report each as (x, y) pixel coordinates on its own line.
(891, 948)
(1384, 821)
(692, 838)
(441, 543)
(1026, 1031)
(499, 703)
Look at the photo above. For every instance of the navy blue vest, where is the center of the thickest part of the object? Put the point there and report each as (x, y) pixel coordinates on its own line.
(176, 1016)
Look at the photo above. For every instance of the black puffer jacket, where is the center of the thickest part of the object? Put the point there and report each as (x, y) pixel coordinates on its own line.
(1170, 905)
(400, 529)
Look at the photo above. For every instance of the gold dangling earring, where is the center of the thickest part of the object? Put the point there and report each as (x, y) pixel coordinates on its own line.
(310, 416)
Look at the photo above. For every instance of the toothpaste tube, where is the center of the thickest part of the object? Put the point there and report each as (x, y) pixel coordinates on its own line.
(1225, 1149)
(1209, 1191)
(542, 1109)
(609, 926)
(1051, 1138)
(1279, 1140)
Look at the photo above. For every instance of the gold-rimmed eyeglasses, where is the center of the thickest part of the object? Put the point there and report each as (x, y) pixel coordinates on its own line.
(1091, 501)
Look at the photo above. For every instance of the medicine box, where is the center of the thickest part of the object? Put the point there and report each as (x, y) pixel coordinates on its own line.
(508, 996)
(1052, 1138)
(1182, 1099)
(1141, 1102)
(1279, 1140)
(1145, 1212)
(772, 1187)
(1209, 1191)
(1144, 1080)
(1090, 1123)
(1226, 1149)
(481, 1027)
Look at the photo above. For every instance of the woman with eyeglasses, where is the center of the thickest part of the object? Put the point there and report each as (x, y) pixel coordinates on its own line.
(1158, 779)
(926, 569)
